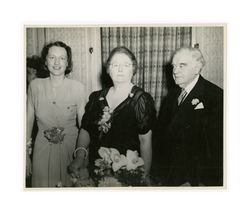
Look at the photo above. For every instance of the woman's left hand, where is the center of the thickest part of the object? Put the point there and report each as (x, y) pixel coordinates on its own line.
(147, 180)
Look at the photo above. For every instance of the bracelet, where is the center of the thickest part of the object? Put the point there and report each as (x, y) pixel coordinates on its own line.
(84, 149)
(29, 142)
(29, 146)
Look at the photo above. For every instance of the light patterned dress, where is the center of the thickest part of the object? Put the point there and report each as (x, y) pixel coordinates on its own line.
(50, 160)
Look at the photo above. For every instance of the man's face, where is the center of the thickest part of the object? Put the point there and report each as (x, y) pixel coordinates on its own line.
(185, 68)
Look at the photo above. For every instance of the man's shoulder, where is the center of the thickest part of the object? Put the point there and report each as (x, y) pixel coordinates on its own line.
(212, 94)
(212, 88)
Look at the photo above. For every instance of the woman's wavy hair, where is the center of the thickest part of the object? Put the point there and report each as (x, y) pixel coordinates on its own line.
(45, 52)
(127, 52)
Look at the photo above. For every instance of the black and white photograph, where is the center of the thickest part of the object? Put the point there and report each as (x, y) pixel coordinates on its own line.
(125, 106)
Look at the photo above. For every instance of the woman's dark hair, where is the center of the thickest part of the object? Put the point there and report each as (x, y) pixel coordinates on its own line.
(33, 62)
(122, 50)
(45, 52)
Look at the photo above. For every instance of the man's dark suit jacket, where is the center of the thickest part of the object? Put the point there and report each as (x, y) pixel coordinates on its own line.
(188, 142)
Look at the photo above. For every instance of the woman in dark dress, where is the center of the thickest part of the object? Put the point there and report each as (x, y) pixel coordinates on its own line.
(129, 110)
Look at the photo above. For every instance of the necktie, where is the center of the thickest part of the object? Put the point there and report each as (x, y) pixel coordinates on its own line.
(182, 96)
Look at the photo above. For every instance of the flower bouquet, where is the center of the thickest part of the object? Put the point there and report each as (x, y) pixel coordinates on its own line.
(115, 169)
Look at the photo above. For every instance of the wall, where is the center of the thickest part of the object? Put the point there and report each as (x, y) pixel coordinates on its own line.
(212, 44)
(86, 64)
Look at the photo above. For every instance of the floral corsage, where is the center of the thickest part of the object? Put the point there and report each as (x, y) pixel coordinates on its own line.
(54, 135)
(104, 124)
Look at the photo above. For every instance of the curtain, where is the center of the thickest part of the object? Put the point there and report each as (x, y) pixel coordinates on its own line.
(86, 63)
(35, 39)
(153, 48)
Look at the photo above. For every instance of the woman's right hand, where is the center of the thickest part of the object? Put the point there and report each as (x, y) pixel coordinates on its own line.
(28, 166)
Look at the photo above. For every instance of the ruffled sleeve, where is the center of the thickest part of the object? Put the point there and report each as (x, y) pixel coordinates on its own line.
(145, 113)
(88, 114)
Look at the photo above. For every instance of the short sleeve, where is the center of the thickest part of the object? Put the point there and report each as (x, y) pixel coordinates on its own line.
(87, 117)
(145, 113)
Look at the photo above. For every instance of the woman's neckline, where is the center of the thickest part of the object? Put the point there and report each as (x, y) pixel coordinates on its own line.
(57, 85)
(130, 95)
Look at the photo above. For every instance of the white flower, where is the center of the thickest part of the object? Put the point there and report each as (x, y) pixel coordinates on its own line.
(119, 163)
(113, 152)
(105, 122)
(105, 154)
(117, 159)
(106, 116)
(106, 109)
(98, 162)
(195, 101)
(101, 98)
(131, 95)
(133, 160)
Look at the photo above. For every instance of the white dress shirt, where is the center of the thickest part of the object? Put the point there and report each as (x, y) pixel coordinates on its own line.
(190, 86)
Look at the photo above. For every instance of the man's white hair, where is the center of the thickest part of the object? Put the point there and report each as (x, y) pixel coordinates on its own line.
(195, 53)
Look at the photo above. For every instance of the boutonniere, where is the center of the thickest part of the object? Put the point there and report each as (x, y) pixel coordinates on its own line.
(101, 98)
(197, 103)
(131, 95)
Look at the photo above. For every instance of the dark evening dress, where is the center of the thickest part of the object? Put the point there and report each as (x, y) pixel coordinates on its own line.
(134, 116)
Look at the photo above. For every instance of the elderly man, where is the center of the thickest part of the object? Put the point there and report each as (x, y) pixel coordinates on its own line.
(189, 136)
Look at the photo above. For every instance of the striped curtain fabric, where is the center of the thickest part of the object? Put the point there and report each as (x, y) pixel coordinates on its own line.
(153, 48)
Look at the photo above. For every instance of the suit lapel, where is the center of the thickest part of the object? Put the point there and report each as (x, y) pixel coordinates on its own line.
(184, 112)
(175, 106)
